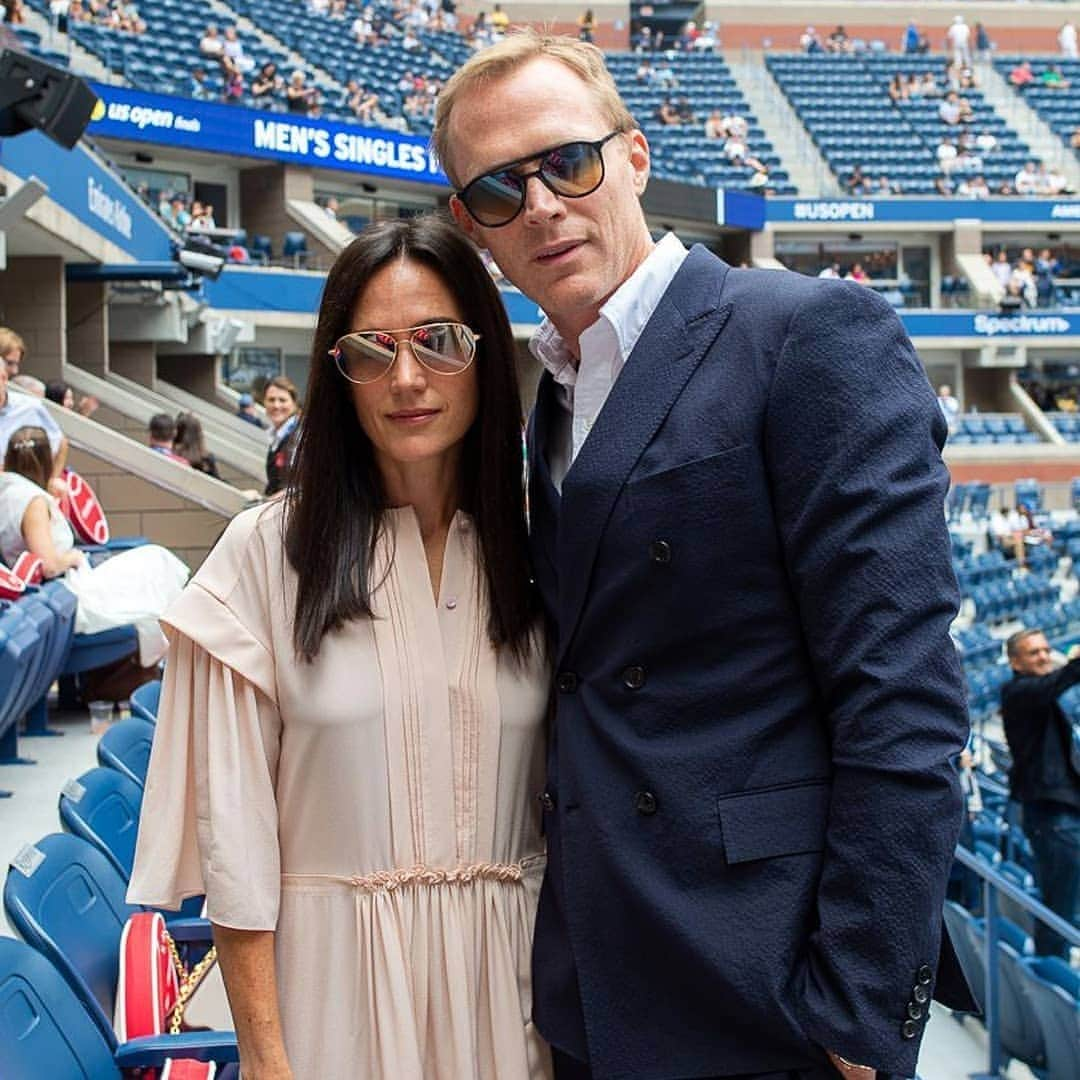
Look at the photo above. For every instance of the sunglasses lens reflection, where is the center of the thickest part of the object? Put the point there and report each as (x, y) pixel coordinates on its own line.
(443, 348)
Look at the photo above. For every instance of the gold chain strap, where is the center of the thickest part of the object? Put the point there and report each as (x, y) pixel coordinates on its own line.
(189, 980)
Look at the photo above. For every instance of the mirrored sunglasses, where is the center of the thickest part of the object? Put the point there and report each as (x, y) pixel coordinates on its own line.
(572, 170)
(444, 348)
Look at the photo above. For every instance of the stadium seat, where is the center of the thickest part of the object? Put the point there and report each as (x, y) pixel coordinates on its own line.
(262, 248)
(46, 1031)
(126, 748)
(295, 249)
(144, 701)
(1053, 991)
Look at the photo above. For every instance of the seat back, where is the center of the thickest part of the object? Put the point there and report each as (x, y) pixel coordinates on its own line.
(44, 1029)
(1053, 991)
(295, 243)
(126, 748)
(102, 807)
(65, 898)
(144, 701)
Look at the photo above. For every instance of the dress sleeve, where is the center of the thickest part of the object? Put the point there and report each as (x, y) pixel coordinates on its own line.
(209, 815)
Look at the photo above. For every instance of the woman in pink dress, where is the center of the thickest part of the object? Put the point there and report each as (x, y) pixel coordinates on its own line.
(350, 739)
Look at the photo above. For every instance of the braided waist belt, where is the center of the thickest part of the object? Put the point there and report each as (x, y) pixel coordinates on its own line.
(389, 880)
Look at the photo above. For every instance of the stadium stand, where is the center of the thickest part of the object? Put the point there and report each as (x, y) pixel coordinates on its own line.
(1059, 107)
(844, 103)
(987, 429)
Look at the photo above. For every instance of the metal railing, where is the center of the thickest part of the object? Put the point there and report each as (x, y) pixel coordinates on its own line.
(994, 883)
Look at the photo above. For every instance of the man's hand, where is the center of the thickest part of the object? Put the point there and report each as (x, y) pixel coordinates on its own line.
(849, 1071)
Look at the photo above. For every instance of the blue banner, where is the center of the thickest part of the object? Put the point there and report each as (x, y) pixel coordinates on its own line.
(992, 324)
(230, 129)
(83, 186)
(786, 210)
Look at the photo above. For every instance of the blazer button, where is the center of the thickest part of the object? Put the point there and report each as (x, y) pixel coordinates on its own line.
(547, 802)
(920, 994)
(914, 1011)
(566, 682)
(660, 551)
(633, 677)
(909, 1029)
(645, 803)
(924, 975)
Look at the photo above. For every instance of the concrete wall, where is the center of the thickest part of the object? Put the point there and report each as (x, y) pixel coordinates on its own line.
(88, 325)
(32, 304)
(136, 507)
(263, 194)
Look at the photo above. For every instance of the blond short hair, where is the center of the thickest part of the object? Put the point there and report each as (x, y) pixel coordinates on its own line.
(10, 341)
(513, 52)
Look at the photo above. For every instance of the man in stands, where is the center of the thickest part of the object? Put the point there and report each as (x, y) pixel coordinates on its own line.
(162, 433)
(12, 351)
(22, 410)
(959, 41)
(1043, 777)
(245, 410)
(751, 807)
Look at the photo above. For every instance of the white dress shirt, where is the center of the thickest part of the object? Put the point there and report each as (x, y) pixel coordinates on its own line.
(582, 388)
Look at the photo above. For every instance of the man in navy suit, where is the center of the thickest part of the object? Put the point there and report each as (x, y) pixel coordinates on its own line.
(737, 500)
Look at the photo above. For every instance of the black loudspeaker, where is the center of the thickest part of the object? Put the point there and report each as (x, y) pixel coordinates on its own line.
(34, 94)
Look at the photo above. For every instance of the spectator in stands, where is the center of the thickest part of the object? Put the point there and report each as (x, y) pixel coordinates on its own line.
(211, 44)
(909, 43)
(190, 444)
(983, 45)
(665, 75)
(958, 37)
(898, 89)
(1067, 40)
(832, 271)
(499, 20)
(233, 48)
(928, 86)
(858, 274)
(944, 184)
(974, 187)
(131, 587)
(986, 142)
(281, 400)
(1007, 528)
(949, 109)
(885, 186)
(1027, 180)
(714, 125)
(587, 25)
(20, 410)
(1052, 78)
(667, 114)
(198, 88)
(267, 86)
(946, 154)
(12, 351)
(309, 648)
(1022, 75)
(1001, 267)
(161, 434)
(810, 42)
(949, 405)
(1043, 778)
(245, 410)
(299, 97)
(16, 13)
(232, 80)
(61, 393)
(838, 41)
(202, 217)
(589, 977)
(685, 110)
(1047, 267)
(364, 104)
(855, 180)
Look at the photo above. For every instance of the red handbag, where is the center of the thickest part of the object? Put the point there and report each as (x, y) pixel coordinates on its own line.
(11, 586)
(152, 990)
(83, 511)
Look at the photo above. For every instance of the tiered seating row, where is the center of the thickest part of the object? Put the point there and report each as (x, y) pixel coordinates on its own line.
(1059, 108)
(982, 429)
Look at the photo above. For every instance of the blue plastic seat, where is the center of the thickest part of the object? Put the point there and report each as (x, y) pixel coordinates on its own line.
(126, 748)
(294, 247)
(1053, 990)
(45, 1030)
(144, 701)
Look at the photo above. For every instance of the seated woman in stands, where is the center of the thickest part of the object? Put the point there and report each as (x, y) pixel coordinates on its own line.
(190, 444)
(133, 587)
(351, 730)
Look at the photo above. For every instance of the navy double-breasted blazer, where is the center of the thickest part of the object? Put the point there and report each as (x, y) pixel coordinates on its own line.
(750, 808)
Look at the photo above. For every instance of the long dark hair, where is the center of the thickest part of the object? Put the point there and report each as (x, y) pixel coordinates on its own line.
(334, 500)
(189, 442)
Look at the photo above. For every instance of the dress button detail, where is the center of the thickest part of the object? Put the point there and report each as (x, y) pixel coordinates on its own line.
(645, 803)
(920, 994)
(909, 1029)
(566, 682)
(924, 975)
(660, 551)
(547, 802)
(633, 677)
(451, 604)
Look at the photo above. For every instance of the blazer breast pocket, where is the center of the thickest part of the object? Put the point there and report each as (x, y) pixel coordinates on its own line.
(707, 483)
(772, 822)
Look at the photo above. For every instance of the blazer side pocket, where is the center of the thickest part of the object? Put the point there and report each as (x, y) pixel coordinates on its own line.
(771, 822)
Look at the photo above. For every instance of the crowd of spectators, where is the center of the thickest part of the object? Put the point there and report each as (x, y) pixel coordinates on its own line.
(691, 38)
(1051, 78)
(122, 15)
(1027, 281)
(860, 183)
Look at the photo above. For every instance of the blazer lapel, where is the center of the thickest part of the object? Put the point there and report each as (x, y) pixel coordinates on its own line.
(681, 330)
